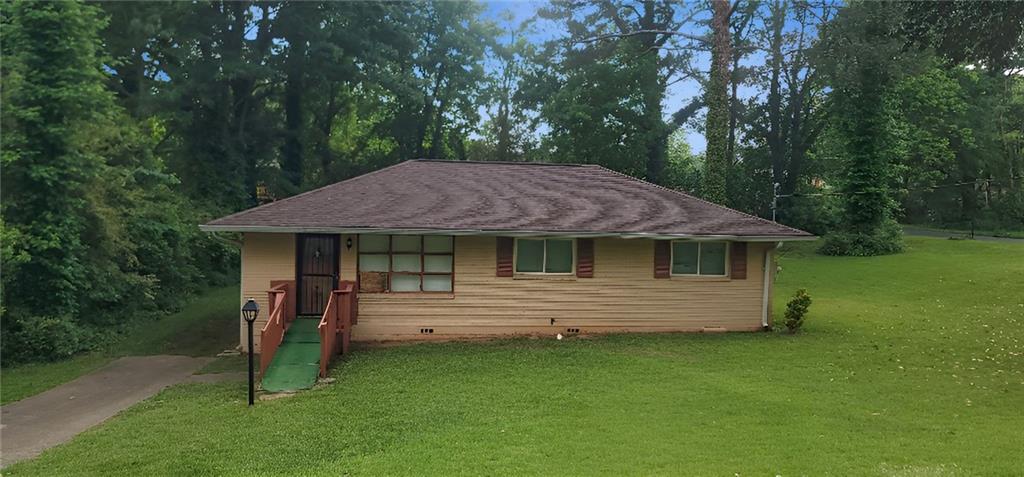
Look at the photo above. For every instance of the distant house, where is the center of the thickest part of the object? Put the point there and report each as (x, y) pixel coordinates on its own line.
(443, 249)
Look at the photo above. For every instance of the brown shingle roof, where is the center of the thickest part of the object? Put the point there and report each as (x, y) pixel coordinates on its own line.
(496, 197)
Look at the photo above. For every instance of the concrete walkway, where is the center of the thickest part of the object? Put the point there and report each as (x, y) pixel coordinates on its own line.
(34, 424)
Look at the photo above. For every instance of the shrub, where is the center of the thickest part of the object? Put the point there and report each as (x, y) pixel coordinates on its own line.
(796, 309)
(41, 338)
(885, 240)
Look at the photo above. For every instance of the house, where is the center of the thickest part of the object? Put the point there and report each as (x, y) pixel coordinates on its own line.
(431, 249)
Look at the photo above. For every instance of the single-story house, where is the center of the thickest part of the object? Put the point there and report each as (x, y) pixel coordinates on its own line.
(430, 249)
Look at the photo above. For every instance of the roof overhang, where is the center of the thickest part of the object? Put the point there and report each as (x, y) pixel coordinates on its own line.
(503, 233)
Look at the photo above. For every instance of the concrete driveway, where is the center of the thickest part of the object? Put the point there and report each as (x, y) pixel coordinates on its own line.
(34, 424)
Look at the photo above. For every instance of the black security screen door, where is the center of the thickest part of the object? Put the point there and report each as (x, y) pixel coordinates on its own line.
(317, 271)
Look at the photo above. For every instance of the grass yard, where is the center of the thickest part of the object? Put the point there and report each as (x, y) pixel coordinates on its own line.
(909, 365)
(204, 327)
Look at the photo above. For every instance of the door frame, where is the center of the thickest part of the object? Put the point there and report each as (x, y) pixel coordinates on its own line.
(299, 249)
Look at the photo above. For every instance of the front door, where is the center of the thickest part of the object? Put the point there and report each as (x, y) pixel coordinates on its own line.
(317, 267)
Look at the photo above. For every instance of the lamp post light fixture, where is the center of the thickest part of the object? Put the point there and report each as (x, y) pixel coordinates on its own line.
(249, 312)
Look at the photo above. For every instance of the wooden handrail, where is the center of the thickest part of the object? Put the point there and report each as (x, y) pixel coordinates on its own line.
(272, 332)
(338, 317)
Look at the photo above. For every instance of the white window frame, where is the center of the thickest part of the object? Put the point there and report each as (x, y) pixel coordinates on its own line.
(672, 259)
(544, 261)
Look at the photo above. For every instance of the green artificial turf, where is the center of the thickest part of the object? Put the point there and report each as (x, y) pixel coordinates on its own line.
(203, 327)
(909, 365)
(296, 363)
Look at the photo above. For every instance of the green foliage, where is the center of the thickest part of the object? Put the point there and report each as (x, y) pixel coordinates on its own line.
(716, 97)
(602, 99)
(884, 239)
(796, 310)
(95, 232)
(963, 31)
(52, 85)
(864, 61)
(683, 170)
(43, 338)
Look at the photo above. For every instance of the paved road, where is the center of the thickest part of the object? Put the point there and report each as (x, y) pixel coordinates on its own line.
(32, 425)
(946, 234)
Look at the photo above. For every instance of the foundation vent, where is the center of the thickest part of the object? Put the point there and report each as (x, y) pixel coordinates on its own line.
(572, 330)
(426, 331)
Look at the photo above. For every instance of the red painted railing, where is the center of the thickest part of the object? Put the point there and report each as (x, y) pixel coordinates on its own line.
(281, 316)
(336, 325)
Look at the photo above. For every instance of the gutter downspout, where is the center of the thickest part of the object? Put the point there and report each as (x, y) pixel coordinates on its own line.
(767, 287)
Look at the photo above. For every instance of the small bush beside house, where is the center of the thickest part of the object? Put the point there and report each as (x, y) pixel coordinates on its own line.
(796, 310)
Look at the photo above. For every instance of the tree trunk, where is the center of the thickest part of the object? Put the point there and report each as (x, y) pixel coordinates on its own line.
(295, 65)
(717, 127)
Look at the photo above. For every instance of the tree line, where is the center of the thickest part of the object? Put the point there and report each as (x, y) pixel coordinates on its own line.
(125, 124)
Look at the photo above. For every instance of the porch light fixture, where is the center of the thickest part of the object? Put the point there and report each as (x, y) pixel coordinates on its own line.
(249, 312)
(348, 243)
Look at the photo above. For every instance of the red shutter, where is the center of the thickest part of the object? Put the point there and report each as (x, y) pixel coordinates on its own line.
(585, 258)
(505, 251)
(662, 259)
(738, 256)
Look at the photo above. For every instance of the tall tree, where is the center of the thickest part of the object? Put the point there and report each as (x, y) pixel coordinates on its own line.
(53, 84)
(293, 22)
(716, 97)
(603, 95)
(865, 60)
(507, 127)
(97, 233)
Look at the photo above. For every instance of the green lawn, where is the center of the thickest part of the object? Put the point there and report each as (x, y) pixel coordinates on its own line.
(204, 327)
(909, 365)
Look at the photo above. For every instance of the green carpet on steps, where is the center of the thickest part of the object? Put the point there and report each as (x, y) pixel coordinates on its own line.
(297, 361)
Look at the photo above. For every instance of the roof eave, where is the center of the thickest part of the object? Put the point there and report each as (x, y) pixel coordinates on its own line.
(504, 233)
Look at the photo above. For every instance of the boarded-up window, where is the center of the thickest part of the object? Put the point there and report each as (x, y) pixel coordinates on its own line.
(406, 263)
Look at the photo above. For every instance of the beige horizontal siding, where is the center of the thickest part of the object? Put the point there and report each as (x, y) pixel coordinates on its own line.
(622, 296)
(265, 258)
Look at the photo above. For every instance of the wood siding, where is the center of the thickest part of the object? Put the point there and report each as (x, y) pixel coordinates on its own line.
(622, 295)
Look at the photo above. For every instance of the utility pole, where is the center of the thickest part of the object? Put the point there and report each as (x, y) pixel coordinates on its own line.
(775, 199)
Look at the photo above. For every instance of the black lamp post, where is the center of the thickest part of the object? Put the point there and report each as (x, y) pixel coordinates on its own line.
(249, 312)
